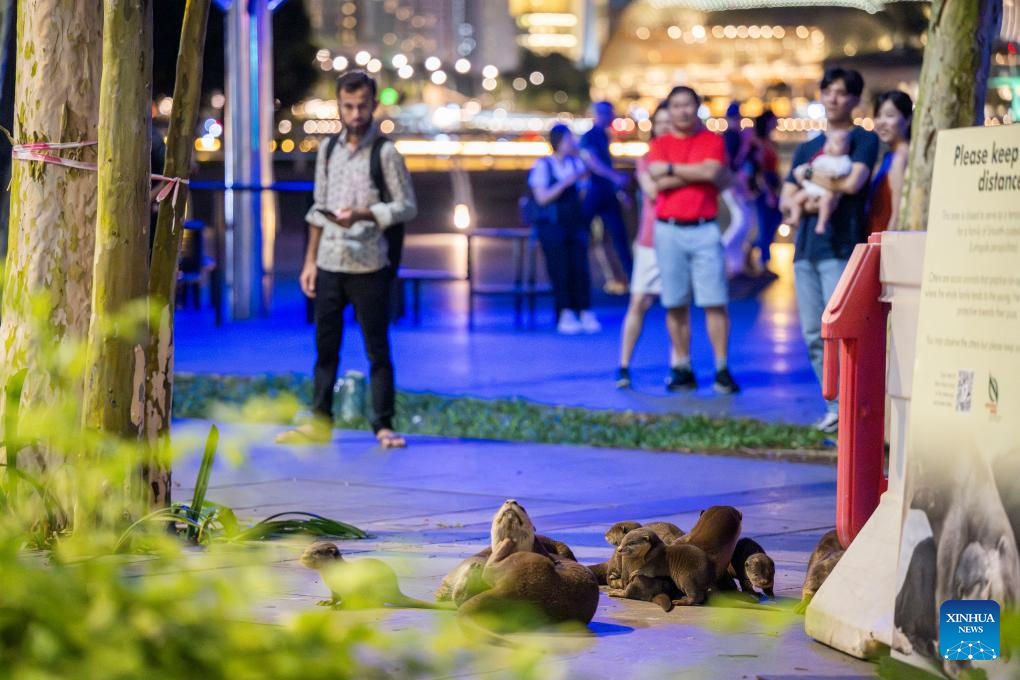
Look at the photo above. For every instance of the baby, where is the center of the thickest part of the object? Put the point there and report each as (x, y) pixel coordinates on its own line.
(834, 162)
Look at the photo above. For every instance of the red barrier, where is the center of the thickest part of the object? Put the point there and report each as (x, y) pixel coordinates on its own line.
(854, 330)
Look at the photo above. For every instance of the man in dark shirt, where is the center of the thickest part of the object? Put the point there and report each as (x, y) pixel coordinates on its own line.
(731, 136)
(605, 182)
(819, 259)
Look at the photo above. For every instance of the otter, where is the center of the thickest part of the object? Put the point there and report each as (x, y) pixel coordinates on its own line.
(716, 532)
(364, 584)
(915, 616)
(976, 552)
(542, 588)
(616, 532)
(825, 557)
(465, 580)
(752, 568)
(608, 573)
(668, 575)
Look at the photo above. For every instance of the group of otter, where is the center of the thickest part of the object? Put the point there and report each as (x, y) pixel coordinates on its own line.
(525, 573)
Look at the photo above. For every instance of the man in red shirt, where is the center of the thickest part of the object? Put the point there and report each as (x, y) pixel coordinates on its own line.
(689, 167)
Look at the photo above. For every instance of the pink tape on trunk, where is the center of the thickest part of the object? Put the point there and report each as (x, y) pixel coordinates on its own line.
(31, 152)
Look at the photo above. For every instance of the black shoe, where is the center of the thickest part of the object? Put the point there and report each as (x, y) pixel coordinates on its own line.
(622, 378)
(681, 379)
(724, 383)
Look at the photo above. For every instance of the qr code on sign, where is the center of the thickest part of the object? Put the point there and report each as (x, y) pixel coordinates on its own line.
(964, 390)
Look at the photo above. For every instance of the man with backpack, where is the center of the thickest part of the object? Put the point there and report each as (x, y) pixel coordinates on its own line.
(363, 195)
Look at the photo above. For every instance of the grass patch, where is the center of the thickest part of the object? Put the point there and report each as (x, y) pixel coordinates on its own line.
(195, 396)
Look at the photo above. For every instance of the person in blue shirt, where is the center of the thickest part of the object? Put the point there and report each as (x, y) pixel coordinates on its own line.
(601, 199)
(819, 259)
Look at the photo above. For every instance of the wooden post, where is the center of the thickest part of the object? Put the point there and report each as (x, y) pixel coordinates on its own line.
(954, 78)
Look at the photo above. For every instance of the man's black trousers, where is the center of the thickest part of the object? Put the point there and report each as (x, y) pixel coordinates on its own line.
(370, 295)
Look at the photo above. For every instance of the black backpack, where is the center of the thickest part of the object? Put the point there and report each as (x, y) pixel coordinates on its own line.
(395, 232)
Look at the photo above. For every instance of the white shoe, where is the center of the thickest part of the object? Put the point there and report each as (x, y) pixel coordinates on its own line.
(828, 424)
(589, 324)
(568, 325)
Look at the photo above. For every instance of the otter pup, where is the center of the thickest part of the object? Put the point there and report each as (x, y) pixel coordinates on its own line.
(716, 532)
(667, 531)
(752, 568)
(656, 572)
(465, 581)
(608, 572)
(820, 565)
(365, 584)
(544, 588)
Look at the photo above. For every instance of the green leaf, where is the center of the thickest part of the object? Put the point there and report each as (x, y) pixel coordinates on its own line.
(204, 472)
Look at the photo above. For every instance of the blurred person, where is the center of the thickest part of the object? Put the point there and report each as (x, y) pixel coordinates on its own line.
(347, 260)
(819, 259)
(689, 165)
(732, 136)
(735, 194)
(646, 281)
(894, 111)
(563, 231)
(765, 182)
(601, 198)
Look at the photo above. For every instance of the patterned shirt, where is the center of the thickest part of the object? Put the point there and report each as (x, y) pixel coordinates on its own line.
(361, 248)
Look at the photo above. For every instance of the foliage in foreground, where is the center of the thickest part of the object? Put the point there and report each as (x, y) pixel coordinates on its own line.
(72, 605)
(197, 396)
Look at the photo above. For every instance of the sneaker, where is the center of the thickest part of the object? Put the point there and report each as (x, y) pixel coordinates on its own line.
(622, 378)
(724, 383)
(568, 325)
(681, 379)
(828, 424)
(590, 324)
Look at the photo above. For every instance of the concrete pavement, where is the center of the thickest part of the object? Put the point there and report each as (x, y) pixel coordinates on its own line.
(429, 506)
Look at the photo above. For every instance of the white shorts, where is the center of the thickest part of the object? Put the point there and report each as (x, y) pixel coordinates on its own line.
(646, 279)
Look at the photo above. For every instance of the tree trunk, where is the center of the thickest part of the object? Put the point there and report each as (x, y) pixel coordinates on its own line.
(163, 277)
(954, 78)
(8, 44)
(53, 209)
(115, 360)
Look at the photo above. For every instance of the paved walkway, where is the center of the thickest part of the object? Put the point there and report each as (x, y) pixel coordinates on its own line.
(768, 356)
(429, 506)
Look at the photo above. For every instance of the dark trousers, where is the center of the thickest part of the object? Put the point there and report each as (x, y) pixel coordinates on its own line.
(602, 201)
(769, 219)
(370, 294)
(566, 259)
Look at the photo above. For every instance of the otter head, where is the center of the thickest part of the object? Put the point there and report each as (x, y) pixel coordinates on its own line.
(640, 546)
(761, 572)
(321, 554)
(619, 530)
(512, 521)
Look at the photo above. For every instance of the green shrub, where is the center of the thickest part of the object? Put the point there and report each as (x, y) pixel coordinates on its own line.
(230, 396)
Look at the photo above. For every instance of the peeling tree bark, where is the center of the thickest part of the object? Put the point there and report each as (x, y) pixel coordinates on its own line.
(115, 361)
(53, 209)
(163, 276)
(954, 78)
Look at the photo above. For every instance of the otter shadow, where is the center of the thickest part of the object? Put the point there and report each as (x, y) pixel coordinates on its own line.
(602, 629)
